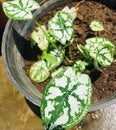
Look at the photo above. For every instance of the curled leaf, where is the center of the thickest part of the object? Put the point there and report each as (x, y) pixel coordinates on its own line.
(49, 58)
(39, 36)
(56, 57)
(83, 51)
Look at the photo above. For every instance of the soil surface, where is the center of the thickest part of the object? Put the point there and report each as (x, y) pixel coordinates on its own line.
(104, 82)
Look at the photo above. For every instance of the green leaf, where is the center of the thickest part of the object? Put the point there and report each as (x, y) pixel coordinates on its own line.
(20, 9)
(66, 99)
(39, 36)
(96, 25)
(53, 57)
(101, 50)
(58, 54)
(39, 71)
(50, 58)
(61, 27)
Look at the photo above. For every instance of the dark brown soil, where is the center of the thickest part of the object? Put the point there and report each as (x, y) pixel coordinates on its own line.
(104, 83)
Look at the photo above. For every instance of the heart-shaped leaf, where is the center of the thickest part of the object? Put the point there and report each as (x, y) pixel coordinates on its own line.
(66, 99)
(96, 25)
(101, 50)
(61, 27)
(20, 9)
(39, 71)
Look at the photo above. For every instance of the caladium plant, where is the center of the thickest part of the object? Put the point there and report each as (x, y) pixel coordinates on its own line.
(67, 97)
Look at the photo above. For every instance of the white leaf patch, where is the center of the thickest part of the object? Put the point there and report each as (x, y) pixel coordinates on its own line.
(53, 93)
(62, 82)
(82, 78)
(50, 107)
(81, 91)
(74, 105)
(64, 118)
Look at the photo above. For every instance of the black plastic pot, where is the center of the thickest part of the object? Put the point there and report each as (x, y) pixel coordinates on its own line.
(12, 52)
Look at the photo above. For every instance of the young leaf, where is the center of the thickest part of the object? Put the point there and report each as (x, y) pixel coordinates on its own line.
(39, 36)
(57, 59)
(49, 58)
(20, 9)
(39, 71)
(61, 27)
(80, 65)
(101, 50)
(66, 99)
(96, 25)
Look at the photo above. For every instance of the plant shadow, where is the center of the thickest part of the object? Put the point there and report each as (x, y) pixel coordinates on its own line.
(24, 47)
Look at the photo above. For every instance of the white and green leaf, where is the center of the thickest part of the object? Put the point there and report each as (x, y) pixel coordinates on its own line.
(39, 36)
(96, 25)
(61, 27)
(72, 12)
(80, 65)
(66, 99)
(39, 71)
(20, 9)
(56, 57)
(101, 50)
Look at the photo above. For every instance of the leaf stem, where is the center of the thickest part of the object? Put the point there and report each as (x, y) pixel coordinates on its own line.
(78, 4)
(36, 22)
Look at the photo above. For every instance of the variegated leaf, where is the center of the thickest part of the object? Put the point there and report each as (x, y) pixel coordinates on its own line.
(20, 9)
(53, 56)
(61, 27)
(96, 25)
(72, 12)
(39, 71)
(101, 50)
(39, 36)
(66, 99)
(59, 56)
